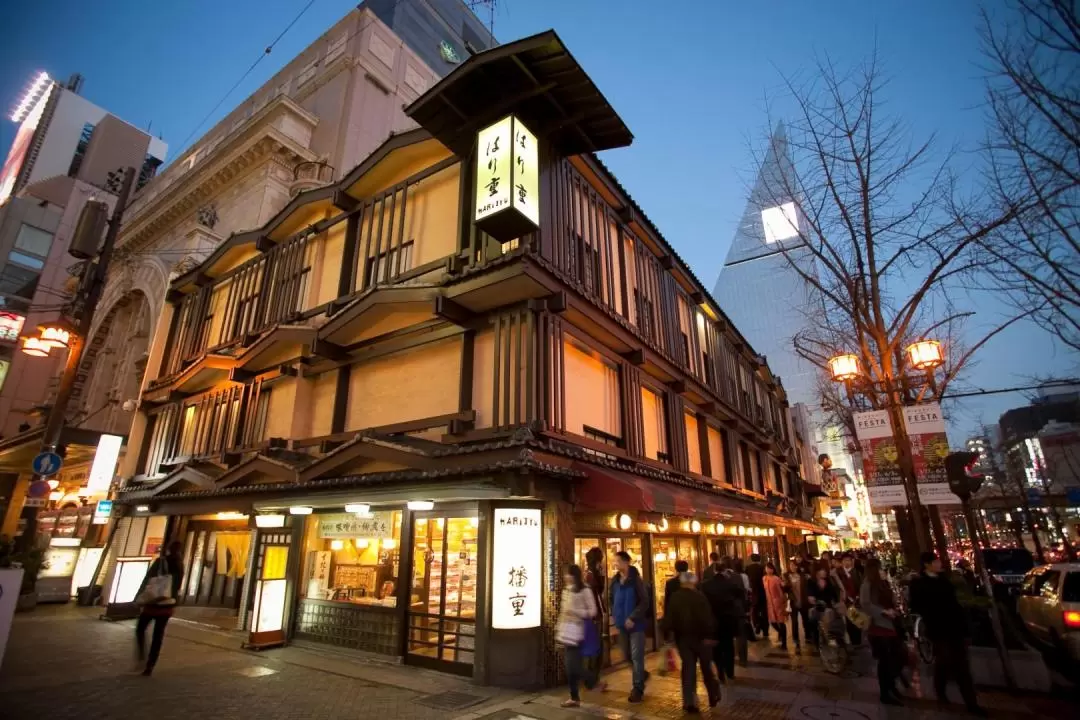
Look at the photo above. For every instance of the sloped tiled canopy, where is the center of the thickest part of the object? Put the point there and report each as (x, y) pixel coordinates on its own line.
(535, 78)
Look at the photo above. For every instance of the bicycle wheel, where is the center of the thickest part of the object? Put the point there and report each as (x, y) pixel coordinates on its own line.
(922, 643)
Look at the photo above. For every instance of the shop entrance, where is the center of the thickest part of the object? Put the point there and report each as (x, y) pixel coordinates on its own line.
(609, 546)
(215, 561)
(441, 618)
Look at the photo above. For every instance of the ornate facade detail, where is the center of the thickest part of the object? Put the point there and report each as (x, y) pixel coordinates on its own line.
(207, 215)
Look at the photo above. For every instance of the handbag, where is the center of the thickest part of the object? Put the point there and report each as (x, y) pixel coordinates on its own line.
(858, 618)
(158, 590)
(590, 644)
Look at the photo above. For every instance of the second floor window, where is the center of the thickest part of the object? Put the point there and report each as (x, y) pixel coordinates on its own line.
(591, 385)
(693, 442)
(388, 264)
(654, 426)
(717, 455)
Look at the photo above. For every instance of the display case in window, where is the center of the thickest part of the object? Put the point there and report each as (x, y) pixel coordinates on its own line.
(352, 558)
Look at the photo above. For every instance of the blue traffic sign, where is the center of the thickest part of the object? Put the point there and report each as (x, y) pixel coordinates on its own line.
(47, 463)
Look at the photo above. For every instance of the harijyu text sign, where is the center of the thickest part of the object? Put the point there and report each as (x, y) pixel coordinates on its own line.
(517, 569)
(507, 180)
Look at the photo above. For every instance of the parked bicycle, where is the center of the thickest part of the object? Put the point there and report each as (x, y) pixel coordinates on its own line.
(917, 630)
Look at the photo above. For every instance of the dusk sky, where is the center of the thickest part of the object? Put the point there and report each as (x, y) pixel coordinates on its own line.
(692, 80)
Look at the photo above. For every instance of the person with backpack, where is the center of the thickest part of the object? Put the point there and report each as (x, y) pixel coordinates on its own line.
(157, 595)
(629, 602)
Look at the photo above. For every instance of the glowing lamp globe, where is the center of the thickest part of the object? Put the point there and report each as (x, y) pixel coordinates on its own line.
(34, 347)
(56, 336)
(925, 354)
(844, 368)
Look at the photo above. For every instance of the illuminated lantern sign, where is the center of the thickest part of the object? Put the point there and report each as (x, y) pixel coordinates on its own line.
(507, 180)
(516, 570)
(10, 326)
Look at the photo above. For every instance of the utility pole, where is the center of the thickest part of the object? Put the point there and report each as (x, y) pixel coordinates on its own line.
(964, 484)
(91, 286)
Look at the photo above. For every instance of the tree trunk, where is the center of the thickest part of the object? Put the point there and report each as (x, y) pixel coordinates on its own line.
(941, 542)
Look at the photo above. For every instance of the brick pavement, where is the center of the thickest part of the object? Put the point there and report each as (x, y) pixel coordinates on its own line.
(63, 663)
(777, 685)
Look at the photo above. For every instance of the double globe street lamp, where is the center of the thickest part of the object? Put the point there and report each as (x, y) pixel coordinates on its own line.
(925, 356)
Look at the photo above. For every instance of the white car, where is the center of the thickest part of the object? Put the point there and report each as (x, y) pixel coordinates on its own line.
(1049, 605)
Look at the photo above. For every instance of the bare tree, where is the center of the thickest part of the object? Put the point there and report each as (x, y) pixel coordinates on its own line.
(1034, 151)
(879, 227)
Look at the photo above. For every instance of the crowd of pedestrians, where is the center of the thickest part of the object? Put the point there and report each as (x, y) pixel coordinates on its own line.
(843, 600)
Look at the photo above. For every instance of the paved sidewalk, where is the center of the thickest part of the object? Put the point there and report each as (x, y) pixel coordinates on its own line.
(777, 685)
(63, 663)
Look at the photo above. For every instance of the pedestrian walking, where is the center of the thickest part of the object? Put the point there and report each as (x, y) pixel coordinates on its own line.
(727, 598)
(745, 631)
(824, 598)
(714, 569)
(934, 598)
(758, 614)
(797, 581)
(776, 602)
(576, 632)
(157, 595)
(850, 582)
(689, 618)
(876, 598)
(668, 660)
(596, 581)
(630, 609)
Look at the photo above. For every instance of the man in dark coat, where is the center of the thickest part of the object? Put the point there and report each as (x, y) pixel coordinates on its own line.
(690, 619)
(758, 611)
(727, 599)
(933, 596)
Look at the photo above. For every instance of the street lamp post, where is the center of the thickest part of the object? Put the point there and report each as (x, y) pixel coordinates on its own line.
(75, 338)
(926, 356)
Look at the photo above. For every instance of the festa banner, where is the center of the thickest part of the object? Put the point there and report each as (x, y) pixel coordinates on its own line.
(884, 484)
(925, 425)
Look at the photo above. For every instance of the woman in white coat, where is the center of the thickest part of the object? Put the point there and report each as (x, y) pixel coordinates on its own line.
(576, 611)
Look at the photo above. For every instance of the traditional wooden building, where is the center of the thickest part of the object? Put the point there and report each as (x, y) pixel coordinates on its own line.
(389, 418)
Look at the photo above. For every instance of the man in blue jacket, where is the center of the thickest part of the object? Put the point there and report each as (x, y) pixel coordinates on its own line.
(630, 609)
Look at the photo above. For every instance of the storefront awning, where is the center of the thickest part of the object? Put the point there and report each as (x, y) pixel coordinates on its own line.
(610, 490)
(18, 451)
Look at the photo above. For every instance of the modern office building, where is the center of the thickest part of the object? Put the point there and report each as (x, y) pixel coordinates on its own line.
(386, 418)
(64, 151)
(762, 289)
(441, 32)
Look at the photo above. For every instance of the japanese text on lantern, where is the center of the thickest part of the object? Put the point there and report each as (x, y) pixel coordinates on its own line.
(517, 573)
(507, 171)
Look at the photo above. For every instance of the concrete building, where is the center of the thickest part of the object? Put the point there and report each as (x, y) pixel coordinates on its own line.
(63, 153)
(381, 421)
(441, 32)
(321, 114)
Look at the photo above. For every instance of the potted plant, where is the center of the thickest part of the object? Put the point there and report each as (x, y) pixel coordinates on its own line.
(29, 563)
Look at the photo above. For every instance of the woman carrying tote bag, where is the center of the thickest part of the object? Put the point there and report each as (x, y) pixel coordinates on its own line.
(157, 596)
(576, 632)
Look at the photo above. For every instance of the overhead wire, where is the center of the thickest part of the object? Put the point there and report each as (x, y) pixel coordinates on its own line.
(184, 252)
(262, 56)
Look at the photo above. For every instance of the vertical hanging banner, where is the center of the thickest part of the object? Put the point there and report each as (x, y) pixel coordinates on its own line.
(507, 180)
(884, 483)
(925, 425)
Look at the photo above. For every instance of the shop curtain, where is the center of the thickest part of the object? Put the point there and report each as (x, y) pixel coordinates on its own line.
(232, 552)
